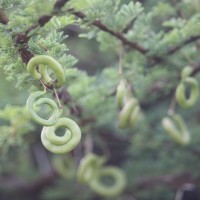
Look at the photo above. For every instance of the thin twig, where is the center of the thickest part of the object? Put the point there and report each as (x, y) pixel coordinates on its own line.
(88, 145)
(3, 17)
(42, 159)
(178, 47)
(121, 55)
(172, 106)
(105, 149)
(58, 100)
(172, 181)
(44, 86)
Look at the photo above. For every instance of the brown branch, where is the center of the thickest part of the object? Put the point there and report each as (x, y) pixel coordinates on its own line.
(45, 18)
(178, 47)
(154, 60)
(59, 4)
(196, 69)
(22, 39)
(117, 35)
(129, 25)
(26, 186)
(3, 17)
(26, 55)
(131, 44)
(178, 10)
(171, 181)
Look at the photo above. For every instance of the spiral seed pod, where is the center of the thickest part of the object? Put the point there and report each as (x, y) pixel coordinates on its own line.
(64, 166)
(121, 93)
(61, 144)
(91, 171)
(130, 111)
(42, 61)
(177, 129)
(88, 167)
(119, 182)
(181, 89)
(30, 104)
(186, 72)
(194, 94)
(129, 114)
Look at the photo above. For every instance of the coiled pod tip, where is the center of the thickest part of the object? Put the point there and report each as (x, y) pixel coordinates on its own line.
(91, 171)
(61, 144)
(32, 100)
(129, 113)
(42, 61)
(194, 93)
(176, 129)
(88, 167)
(113, 190)
(186, 72)
(121, 93)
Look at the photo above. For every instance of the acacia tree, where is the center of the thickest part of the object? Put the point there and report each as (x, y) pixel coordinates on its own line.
(126, 73)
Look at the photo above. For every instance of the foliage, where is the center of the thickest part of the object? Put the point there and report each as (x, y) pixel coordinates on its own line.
(146, 42)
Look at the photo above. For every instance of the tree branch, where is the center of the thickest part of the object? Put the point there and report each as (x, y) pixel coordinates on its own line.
(22, 38)
(155, 59)
(173, 181)
(59, 4)
(3, 17)
(196, 69)
(18, 184)
(179, 12)
(117, 35)
(129, 25)
(178, 47)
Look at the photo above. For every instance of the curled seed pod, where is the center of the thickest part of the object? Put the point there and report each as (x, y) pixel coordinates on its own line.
(61, 144)
(64, 166)
(118, 185)
(121, 93)
(194, 94)
(44, 73)
(129, 114)
(186, 72)
(30, 105)
(177, 129)
(42, 61)
(88, 167)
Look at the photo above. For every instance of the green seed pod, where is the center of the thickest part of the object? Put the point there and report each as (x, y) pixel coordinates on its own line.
(135, 116)
(177, 129)
(128, 114)
(119, 182)
(42, 61)
(30, 104)
(186, 72)
(91, 171)
(64, 166)
(121, 93)
(88, 167)
(194, 94)
(61, 144)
